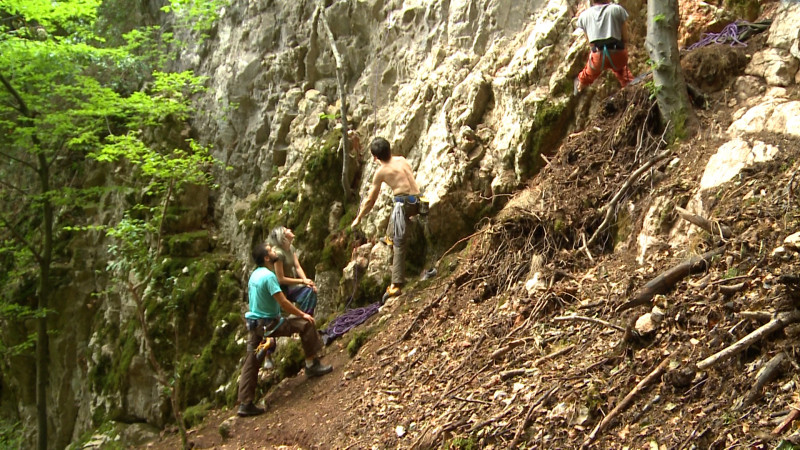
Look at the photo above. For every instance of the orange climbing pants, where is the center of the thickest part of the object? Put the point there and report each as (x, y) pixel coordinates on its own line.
(600, 60)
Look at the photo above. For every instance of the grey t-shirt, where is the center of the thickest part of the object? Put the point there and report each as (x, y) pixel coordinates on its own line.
(603, 22)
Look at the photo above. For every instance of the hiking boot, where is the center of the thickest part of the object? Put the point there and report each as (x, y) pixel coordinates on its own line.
(249, 409)
(317, 369)
(391, 291)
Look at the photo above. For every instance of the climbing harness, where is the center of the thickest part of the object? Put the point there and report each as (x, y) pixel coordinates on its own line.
(604, 47)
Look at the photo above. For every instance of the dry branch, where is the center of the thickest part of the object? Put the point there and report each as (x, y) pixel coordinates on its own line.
(778, 323)
(707, 225)
(589, 319)
(611, 206)
(543, 398)
(764, 376)
(666, 280)
(787, 421)
(732, 289)
(623, 405)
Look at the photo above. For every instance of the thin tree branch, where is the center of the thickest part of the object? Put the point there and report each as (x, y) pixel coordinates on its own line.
(21, 239)
(23, 107)
(13, 187)
(589, 319)
(21, 161)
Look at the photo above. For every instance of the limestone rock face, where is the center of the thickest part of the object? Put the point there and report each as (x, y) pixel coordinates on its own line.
(449, 86)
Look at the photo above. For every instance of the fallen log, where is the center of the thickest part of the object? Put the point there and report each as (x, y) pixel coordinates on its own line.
(712, 228)
(626, 402)
(778, 323)
(667, 280)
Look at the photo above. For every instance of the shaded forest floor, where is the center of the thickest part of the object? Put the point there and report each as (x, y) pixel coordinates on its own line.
(528, 339)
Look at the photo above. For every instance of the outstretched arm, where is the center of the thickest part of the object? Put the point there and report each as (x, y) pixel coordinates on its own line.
(366, 207)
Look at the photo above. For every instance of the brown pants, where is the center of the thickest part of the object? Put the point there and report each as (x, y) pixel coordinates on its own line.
(255, 333)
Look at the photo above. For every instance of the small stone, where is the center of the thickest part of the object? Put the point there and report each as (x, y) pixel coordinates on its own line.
(792, 242)
(647, 323)
(225, 427)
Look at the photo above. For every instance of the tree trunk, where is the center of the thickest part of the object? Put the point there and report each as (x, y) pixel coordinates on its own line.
(669, 86)
(42, 343)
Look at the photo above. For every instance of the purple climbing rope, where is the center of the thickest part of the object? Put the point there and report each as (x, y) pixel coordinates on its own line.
(728, 34)
(350, 318)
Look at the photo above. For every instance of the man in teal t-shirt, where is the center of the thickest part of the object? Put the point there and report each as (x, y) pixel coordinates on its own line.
(266, 303)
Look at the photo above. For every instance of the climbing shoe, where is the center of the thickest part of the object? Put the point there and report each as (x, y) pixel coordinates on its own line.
(386, 240)
(317, 369)
(249, 409)
(391, 291)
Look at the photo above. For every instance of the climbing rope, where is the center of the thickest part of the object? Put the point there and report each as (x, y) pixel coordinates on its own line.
(350, 318)
(735, 33)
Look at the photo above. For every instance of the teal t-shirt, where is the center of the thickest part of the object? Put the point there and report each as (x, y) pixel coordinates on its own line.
(262, 286)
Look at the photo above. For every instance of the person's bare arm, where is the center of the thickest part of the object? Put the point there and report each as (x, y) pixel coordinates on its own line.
(280, 273)
(299, 269)
(288, 307)
(372, 197)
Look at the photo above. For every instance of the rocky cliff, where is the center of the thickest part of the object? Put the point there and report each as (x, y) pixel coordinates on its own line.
(477, 94)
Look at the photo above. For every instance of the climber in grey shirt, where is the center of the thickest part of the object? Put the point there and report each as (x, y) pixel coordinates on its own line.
(606, 29)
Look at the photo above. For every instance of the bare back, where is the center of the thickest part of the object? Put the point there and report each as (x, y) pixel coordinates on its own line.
(398, 175)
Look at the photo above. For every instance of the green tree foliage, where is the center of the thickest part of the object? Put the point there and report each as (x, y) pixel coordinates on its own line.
(72, 104)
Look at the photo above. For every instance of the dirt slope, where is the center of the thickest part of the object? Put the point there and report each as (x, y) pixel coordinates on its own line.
(471, 359)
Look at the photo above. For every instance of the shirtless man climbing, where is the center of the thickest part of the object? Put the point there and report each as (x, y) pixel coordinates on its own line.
(396, 172)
